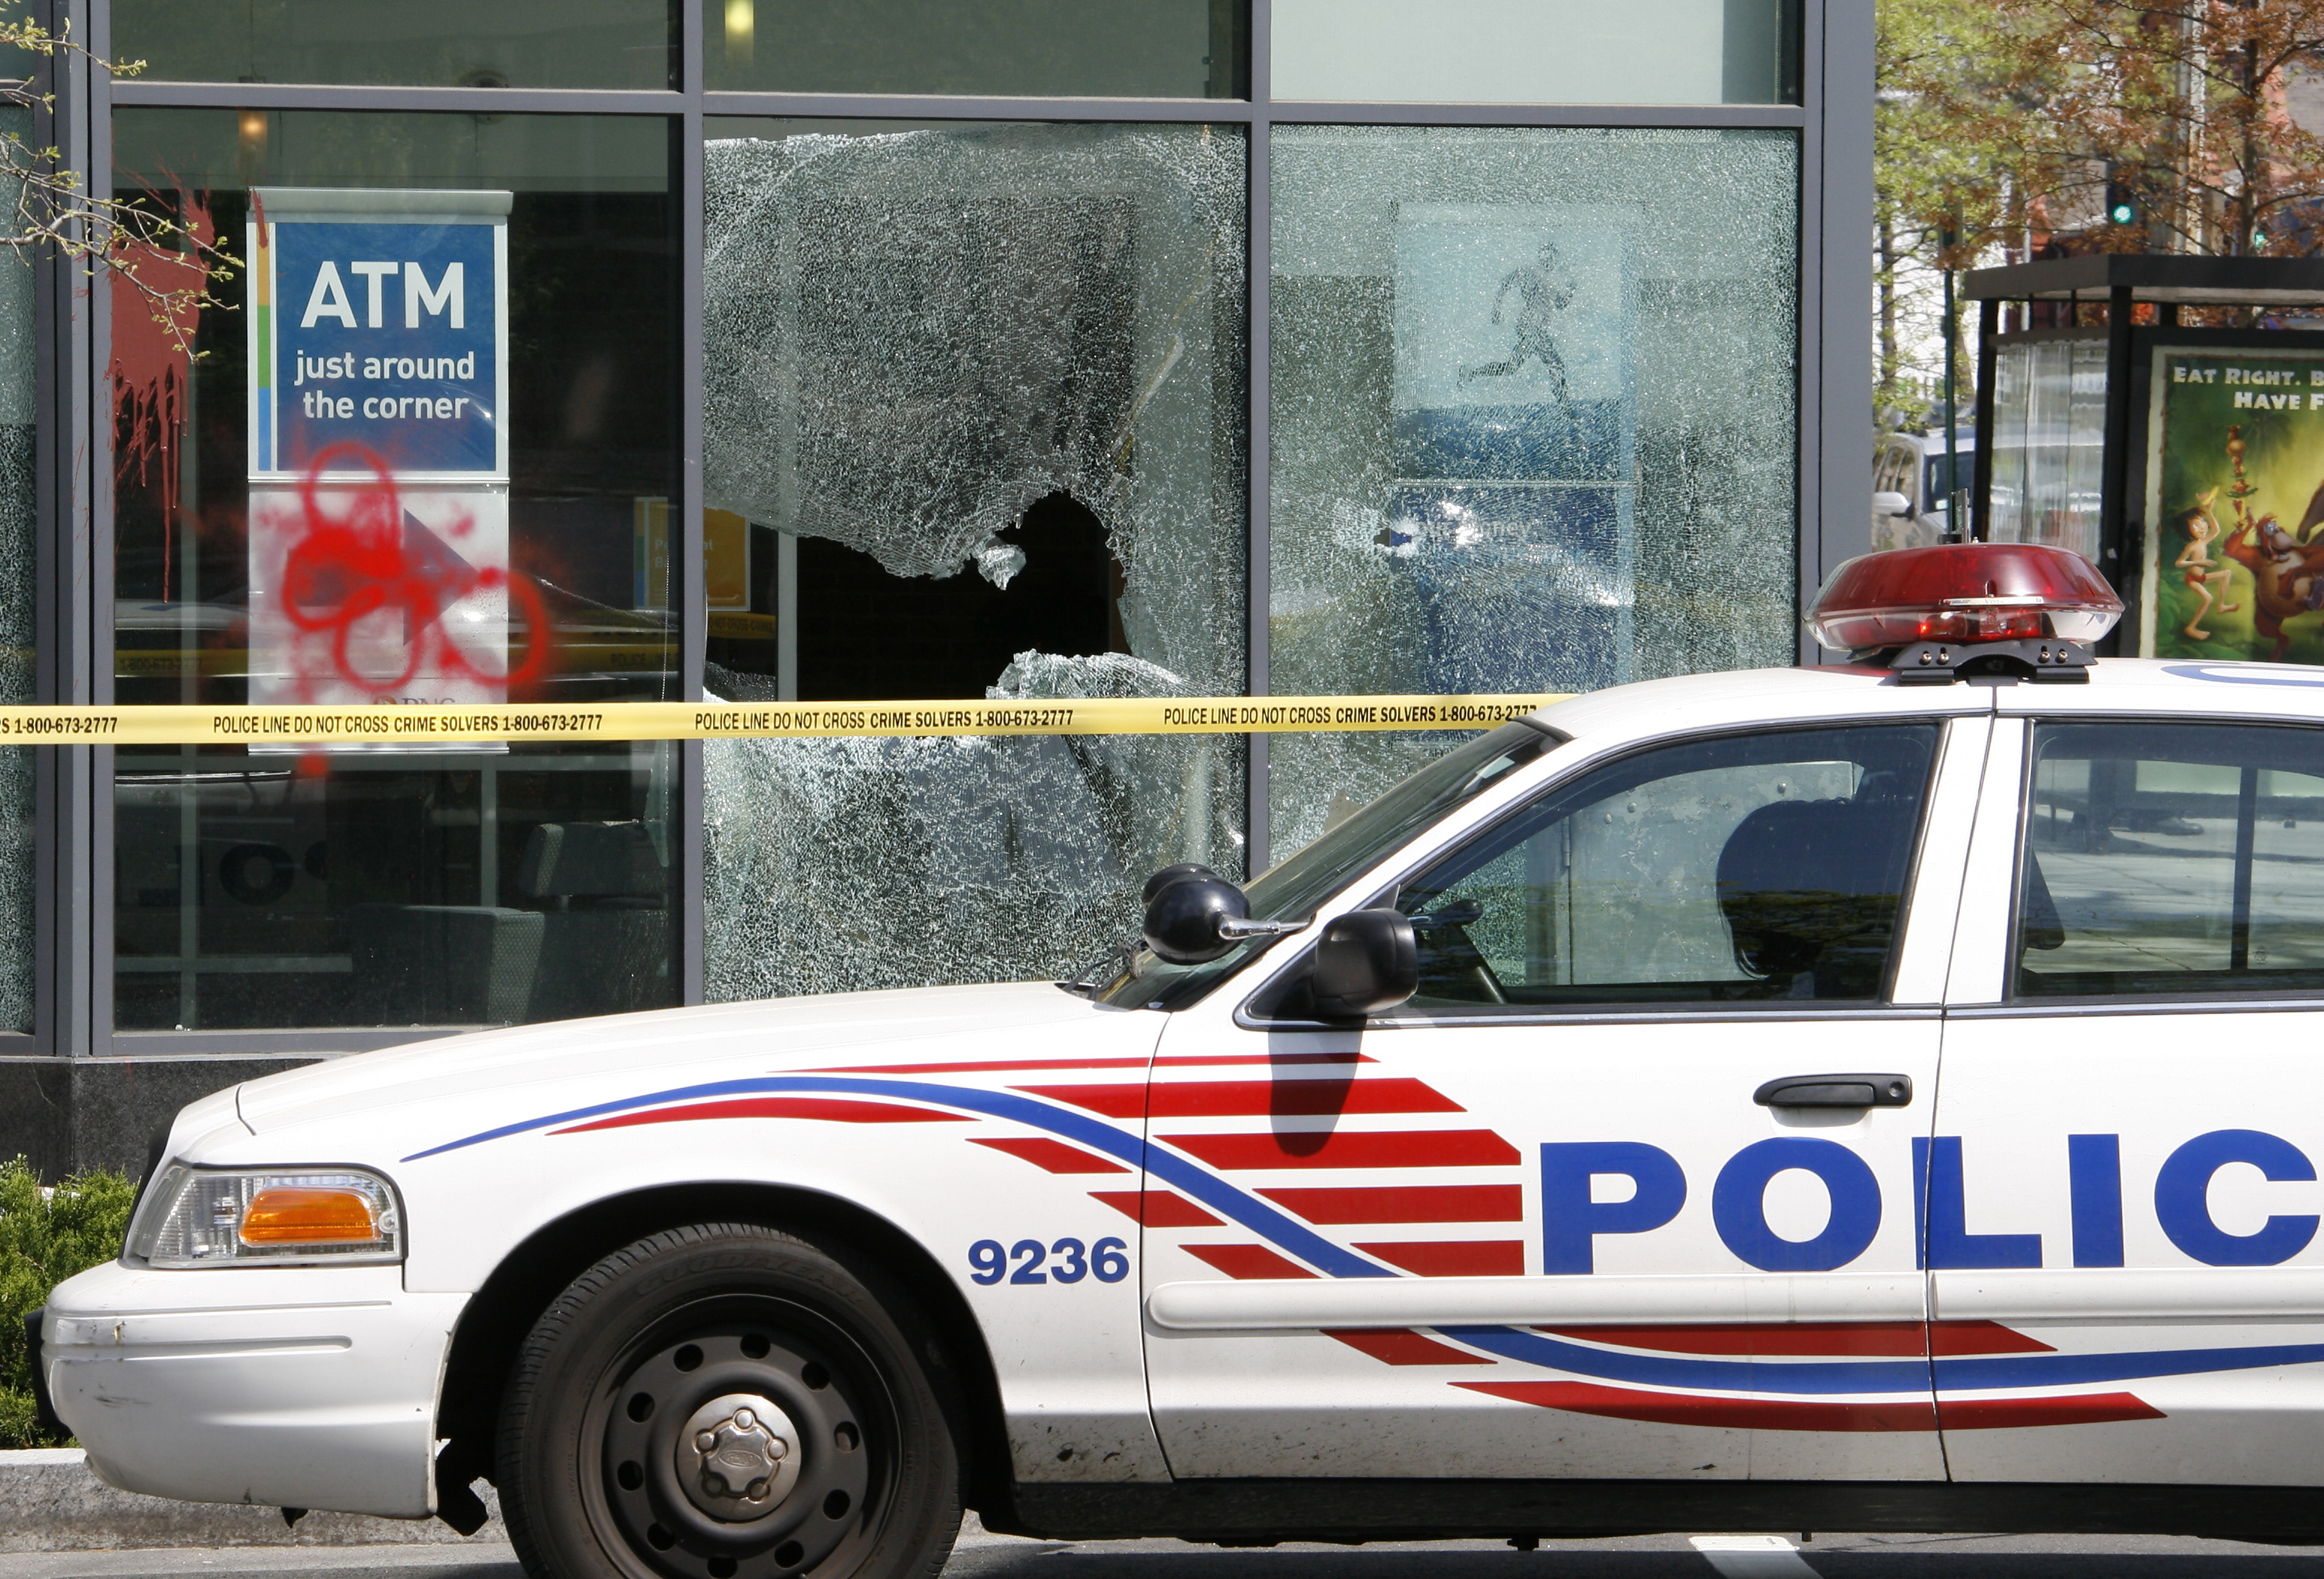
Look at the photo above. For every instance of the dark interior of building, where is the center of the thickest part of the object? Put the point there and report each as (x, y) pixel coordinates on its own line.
(865, 635)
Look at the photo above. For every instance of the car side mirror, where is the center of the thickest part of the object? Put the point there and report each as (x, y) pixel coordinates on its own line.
(1366, 962)
(1170, 875)
(1186, 907)
(1891, 504)
(1194, 915)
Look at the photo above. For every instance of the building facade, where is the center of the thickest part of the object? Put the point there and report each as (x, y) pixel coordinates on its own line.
(772, 350)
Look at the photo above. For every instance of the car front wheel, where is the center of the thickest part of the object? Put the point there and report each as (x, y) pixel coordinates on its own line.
(727, 1401)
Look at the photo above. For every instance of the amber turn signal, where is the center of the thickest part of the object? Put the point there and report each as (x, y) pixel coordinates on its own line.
(281, 1215)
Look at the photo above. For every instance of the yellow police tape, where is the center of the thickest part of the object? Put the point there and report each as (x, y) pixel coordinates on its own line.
(718, 720)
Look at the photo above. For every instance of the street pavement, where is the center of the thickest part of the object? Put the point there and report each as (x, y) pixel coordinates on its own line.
(989, 1556)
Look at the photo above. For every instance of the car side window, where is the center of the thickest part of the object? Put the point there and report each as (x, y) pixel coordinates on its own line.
(1734, 870)
(2171, 858)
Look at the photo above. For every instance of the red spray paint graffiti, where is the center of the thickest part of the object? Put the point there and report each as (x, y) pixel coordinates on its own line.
(359, 556)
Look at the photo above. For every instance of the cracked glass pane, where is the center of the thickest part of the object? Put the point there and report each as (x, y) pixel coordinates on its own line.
(17, 627)
(1528, 432)
(974, 425)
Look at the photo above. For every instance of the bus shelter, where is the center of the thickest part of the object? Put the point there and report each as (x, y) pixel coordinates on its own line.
(2164, 417)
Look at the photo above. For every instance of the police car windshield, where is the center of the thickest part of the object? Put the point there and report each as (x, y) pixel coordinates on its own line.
(1292, 888)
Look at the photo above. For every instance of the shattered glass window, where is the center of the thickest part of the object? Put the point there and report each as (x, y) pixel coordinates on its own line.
(347, 886)
(974, 411)
(1533, 425)
(18, 626)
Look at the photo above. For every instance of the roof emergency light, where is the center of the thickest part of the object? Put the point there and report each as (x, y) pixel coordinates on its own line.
(1940, 614)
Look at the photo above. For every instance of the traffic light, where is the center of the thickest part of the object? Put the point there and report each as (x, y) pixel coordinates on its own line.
(2122, 204)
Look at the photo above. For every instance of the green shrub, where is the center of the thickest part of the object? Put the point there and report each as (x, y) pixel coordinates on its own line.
(45, 1239)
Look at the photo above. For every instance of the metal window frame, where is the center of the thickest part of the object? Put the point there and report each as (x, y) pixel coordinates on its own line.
(1258, 429)
(64, 647)
(75, 509)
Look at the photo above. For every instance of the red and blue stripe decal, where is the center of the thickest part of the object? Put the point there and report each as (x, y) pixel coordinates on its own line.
(1772, 1376)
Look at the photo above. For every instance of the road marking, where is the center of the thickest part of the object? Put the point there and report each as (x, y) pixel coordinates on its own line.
(1752, 1556)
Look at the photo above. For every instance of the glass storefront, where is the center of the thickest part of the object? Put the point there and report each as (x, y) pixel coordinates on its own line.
(348, 885)
(1527, 434)
(768, 351)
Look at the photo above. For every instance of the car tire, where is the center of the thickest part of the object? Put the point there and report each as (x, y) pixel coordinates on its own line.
(725, 1401)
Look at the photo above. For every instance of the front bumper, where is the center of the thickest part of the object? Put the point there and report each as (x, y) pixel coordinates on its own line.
(293, 1387)
(43, 1415)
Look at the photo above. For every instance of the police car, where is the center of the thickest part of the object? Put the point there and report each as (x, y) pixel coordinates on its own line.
(1876, 1096)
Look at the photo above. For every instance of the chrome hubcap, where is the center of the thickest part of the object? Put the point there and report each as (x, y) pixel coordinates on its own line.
(738, 1457)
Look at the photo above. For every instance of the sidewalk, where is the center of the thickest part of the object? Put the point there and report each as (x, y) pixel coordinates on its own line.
(51, 1502)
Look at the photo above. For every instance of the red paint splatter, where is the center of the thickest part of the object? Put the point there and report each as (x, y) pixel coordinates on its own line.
(153, 361)
(376, 557)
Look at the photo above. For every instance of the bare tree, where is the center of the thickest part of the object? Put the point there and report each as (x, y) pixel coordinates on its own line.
(164, 259)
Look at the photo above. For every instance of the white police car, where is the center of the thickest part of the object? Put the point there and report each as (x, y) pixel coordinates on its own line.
(1769, 1100)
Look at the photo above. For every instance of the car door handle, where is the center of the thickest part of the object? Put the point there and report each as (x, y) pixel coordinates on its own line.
(1836, 1091)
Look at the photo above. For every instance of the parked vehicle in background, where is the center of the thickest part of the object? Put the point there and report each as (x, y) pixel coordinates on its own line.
(1913, 484)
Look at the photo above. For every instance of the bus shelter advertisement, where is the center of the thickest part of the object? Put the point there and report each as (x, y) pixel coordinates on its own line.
(378, 390)
(2234, 566)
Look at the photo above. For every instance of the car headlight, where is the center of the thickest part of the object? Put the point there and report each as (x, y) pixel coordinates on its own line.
(266, 1217)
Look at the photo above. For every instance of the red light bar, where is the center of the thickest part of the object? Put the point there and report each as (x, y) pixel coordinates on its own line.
(1965, 592)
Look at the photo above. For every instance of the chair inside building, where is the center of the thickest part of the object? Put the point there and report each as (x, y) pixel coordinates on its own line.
(589, 933)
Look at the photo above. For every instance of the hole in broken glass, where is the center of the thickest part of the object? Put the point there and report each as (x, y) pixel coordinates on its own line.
(1053, 586)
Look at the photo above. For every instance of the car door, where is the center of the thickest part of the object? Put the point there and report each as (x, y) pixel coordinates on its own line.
(1626, 1190)
(2123, 1175)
